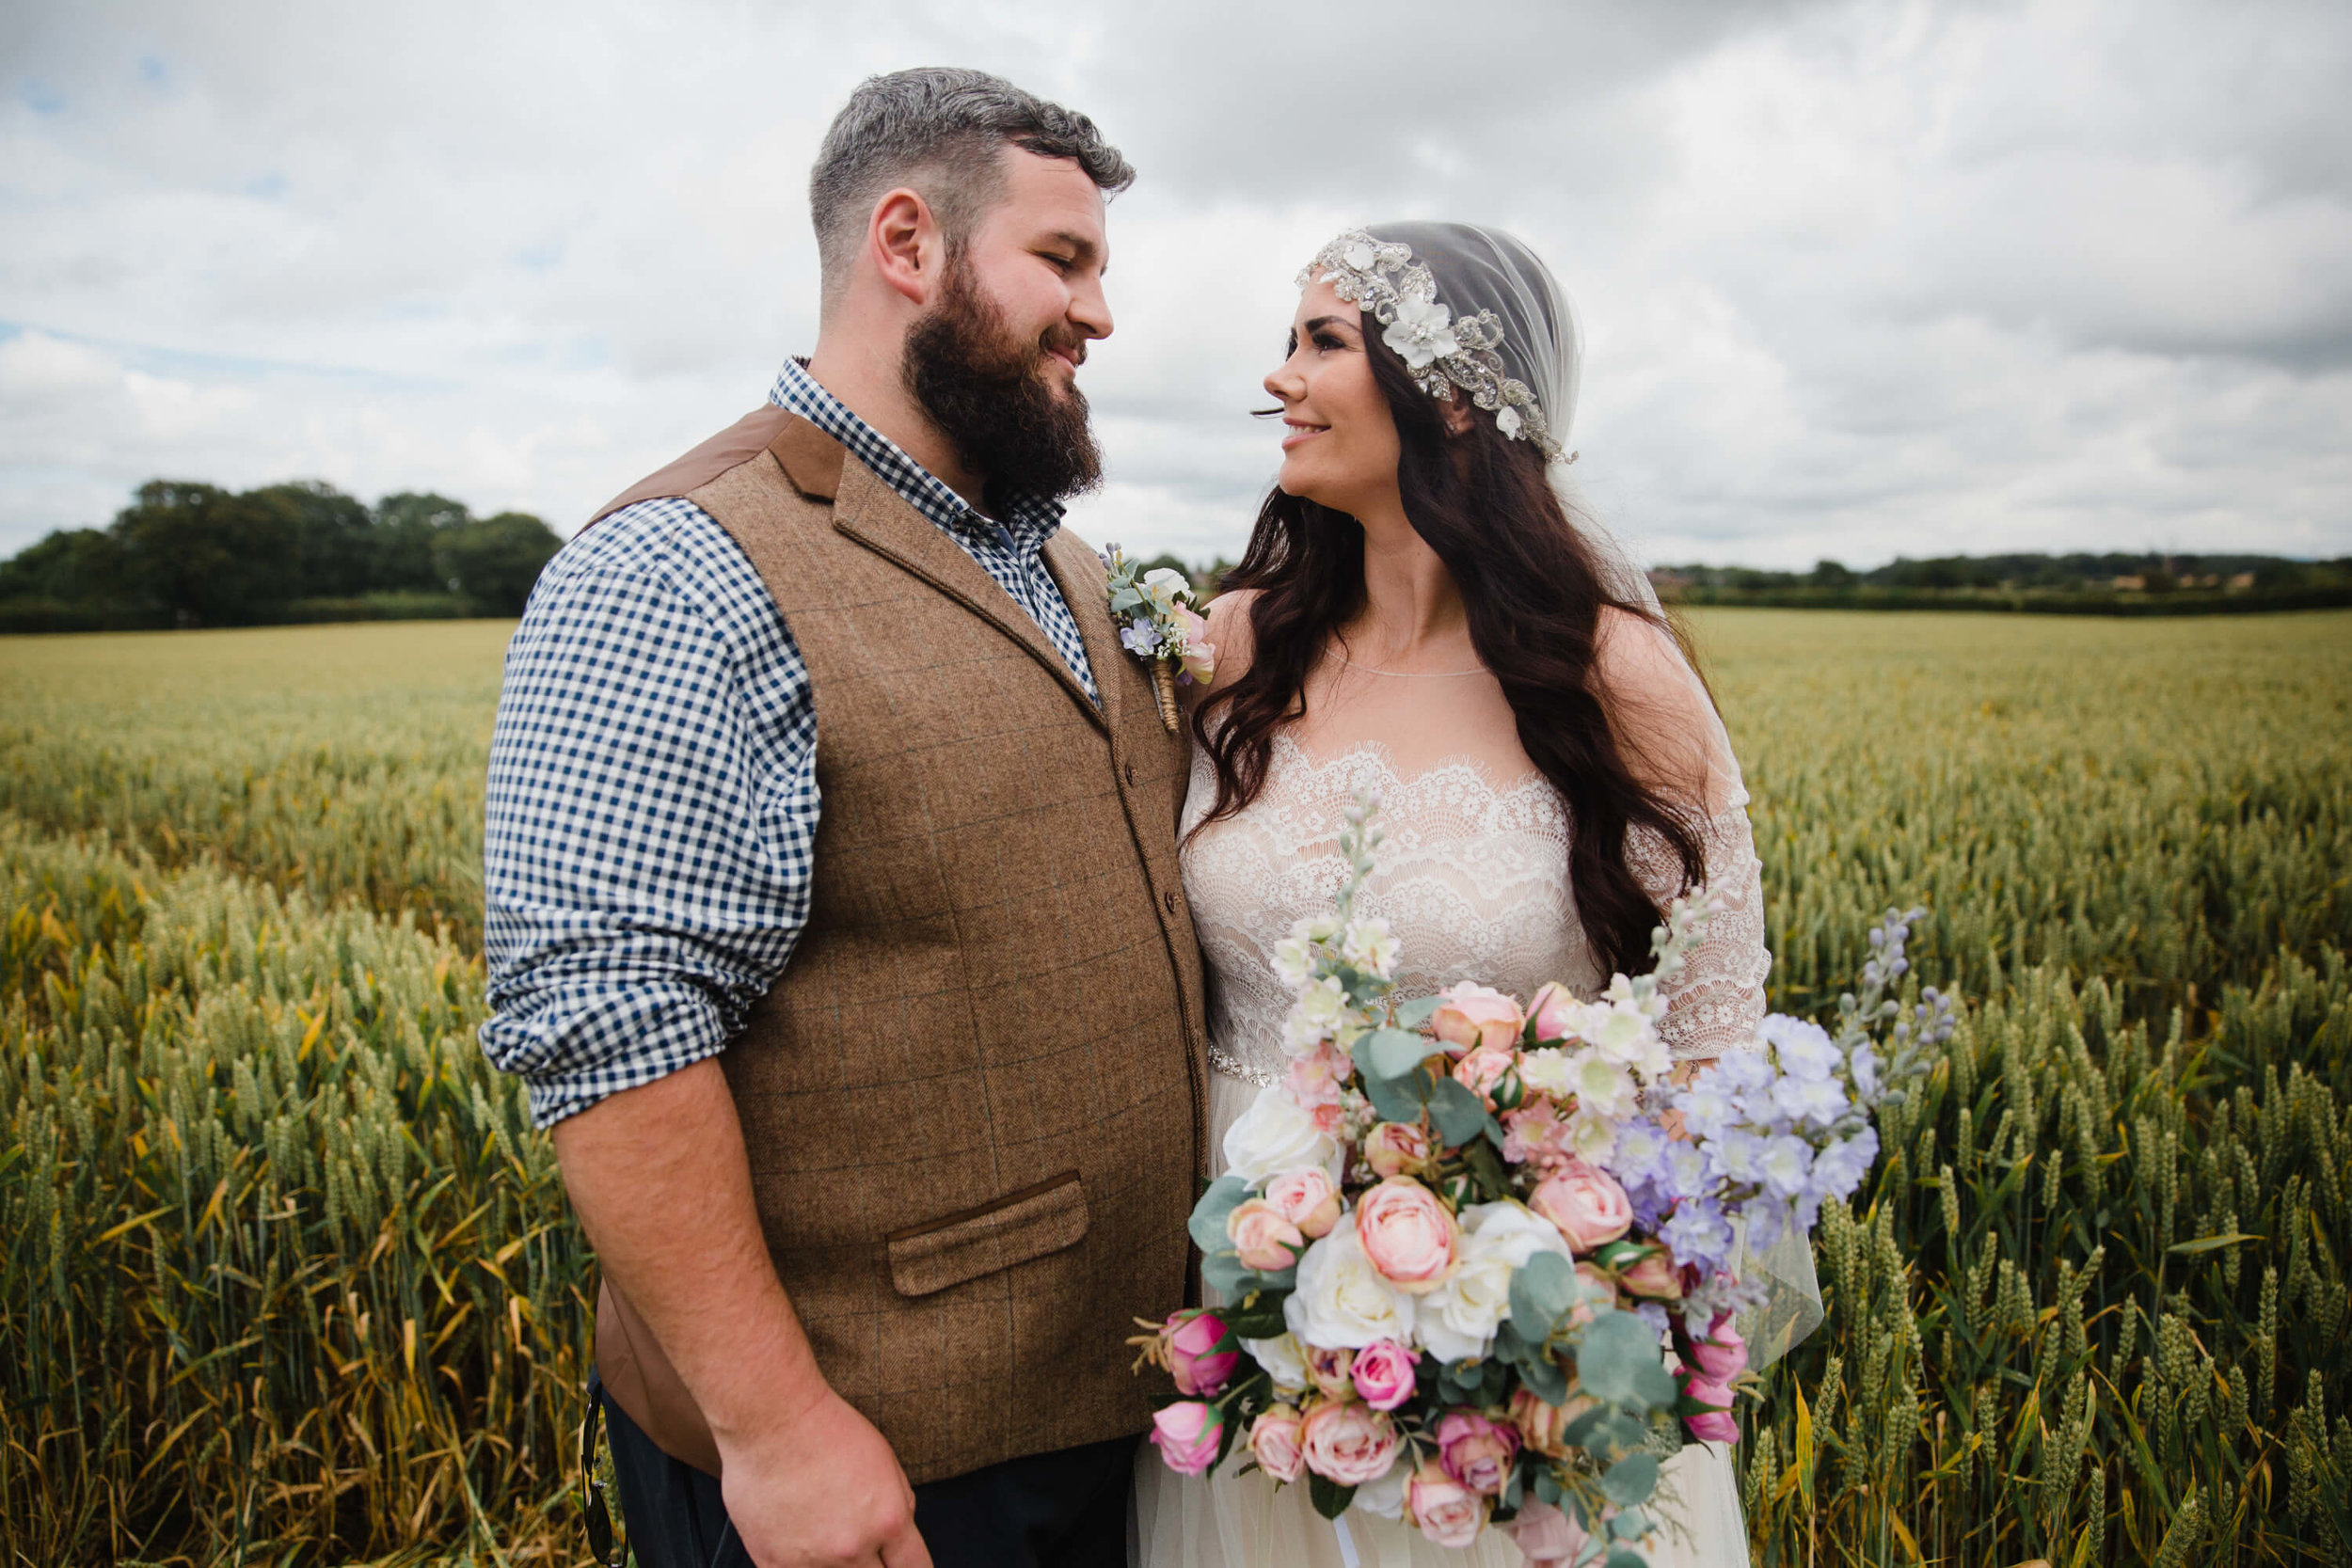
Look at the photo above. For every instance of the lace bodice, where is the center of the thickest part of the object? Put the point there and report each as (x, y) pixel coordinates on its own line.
(1472, 877)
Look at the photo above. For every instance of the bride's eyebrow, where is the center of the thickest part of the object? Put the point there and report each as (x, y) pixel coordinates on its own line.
(1321, 321)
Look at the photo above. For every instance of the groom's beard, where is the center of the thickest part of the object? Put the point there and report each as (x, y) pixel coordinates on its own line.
(986, 391)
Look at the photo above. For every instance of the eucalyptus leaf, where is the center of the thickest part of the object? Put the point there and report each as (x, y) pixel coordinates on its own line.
(1412, 1015)
(1459, 1114)
(1541, 1294)
(1207, 1224)
(1392, 1099)
(1224, 1271)
(1630, 1525)
(1626, 1557)
(1610, 1354)
(1545, 1380)
(1630, 1479)
(1655, 1386)
(1392, 1053)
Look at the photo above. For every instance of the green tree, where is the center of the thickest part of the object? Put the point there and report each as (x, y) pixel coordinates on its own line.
(204, 556)
(71, 566)
(494, 562)
(334, 539)
(406, 526)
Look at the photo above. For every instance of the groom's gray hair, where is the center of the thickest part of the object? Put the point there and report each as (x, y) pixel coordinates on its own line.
(940, 131)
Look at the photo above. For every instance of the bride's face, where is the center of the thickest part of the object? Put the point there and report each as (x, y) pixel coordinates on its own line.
(1339, 440)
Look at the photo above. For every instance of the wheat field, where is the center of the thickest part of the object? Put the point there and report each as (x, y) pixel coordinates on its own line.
(286, 1277)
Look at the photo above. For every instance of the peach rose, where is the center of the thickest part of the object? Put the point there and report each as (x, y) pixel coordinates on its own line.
(1396, 1149)
(1266, 1241)
(1307, 1199)
(1599, 1292)
(1554, 1011)
(1476, 1452)
(1200, 655)
(1472, 1014)
(1331, 1371)
(1483, 1068)
(1540, 1425)
(1444, 1509)
(1652, 1277)
(1585, 1202)
(1543, 1535)
(1186, 1436)
(1348, 1444)
(1408, 1234)
(1383, 1374)
(1274, 1444)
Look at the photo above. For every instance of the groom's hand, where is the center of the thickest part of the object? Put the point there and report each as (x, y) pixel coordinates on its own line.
(822, 1491)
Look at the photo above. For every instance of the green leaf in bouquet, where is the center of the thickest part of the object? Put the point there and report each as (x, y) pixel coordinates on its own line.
(1125, 598)
(1225, 1273)
(1630, 1479)
(1412, 1015)
(1541, 1294)
(1630, 1525)
(1612, 1256)
(1392, 1053)
(1459, 1381)
(1487, 1165)
(1546, 1487)
(1626, 1557)
(1582, 1433)
(1258, 1316)
(1617, 1360)
(1544, 1379)
(1392, 1099)
(1330, 1498)
(1458, 1113)
(1207, 1224)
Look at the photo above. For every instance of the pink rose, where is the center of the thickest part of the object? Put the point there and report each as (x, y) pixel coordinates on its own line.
(1652, 1277)
(1187, 1435)
(1473, 1015)
(1446, 1512)
(1716, 1425)
(1723, 1354)
(1585, 1202)
(1476, 1452)
(1199, 655)
(1383, 1373)
(1307, 1199)
(1555, 1012)
(1348, 1444)
(1199, 1368)
(1266, 1241)
(1274, 1444)
(1543, 1535)
(1536, 1134)
(1408, 1234)
(1396, 1149)
(1483, 1068)
(1331, 1371)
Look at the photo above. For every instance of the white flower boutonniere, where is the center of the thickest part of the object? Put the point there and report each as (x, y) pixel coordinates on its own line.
(1159, 623)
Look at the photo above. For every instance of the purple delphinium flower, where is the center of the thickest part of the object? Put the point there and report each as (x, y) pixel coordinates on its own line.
(1139, 637)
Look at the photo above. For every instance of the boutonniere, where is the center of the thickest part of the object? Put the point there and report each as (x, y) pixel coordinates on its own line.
(1160, 626)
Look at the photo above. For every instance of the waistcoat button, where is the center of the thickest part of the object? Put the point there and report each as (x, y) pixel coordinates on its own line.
(1169, 900)
(1131, 775)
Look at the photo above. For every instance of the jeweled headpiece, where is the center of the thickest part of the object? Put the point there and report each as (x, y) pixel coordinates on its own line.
(1442, 350)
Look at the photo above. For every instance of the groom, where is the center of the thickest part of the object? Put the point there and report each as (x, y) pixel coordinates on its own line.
(833, 913)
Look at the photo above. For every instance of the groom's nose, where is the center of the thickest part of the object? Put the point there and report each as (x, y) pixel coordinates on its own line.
(1090, 308)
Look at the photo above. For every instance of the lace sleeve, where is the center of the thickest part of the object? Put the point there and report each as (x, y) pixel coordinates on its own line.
(1715, 1004)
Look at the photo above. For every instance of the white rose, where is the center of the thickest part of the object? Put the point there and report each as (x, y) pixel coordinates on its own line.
(1341, 1302)
(1166, 585)
(1275, 1136)
(1458, 1320)
(1386, 1496)
(1283, 1359)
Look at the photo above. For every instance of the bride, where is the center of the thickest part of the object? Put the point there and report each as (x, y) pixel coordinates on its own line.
(1424, 609)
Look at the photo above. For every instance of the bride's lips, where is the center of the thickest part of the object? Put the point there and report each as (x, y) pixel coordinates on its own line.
(1300, 431)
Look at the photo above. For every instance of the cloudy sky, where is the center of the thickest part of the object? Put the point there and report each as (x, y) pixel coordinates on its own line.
(1860, 279)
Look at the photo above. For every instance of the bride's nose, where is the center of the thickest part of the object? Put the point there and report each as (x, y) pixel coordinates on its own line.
(1284, 383)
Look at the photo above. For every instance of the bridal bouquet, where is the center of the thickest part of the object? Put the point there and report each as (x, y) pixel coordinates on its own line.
(1453, 1245)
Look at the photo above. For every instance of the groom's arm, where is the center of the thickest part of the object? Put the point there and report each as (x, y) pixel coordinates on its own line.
(652, 810)
(659, 1177)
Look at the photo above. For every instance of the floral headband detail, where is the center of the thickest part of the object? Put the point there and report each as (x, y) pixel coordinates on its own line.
(1442, 350)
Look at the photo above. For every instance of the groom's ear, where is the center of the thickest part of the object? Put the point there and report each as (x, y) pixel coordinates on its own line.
(905, 245)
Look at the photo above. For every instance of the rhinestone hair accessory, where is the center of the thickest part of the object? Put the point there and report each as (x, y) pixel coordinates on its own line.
(1442, 350)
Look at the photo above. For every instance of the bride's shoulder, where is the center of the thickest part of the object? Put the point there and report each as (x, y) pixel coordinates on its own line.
(1657, 705)
(1228, 630)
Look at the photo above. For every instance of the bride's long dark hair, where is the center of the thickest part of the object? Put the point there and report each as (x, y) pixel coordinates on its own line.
(1534, 594)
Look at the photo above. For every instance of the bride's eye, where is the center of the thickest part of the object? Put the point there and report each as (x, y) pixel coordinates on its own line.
(1330, 341)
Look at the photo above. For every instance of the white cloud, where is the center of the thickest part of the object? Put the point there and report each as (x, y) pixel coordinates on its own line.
(1860, 279)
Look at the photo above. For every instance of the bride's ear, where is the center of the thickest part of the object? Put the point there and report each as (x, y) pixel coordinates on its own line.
(1458, 412)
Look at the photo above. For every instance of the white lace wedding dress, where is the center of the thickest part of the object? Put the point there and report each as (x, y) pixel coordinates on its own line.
(1473, 879)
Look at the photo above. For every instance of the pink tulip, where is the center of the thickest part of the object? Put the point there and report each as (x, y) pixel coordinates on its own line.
(1186, 1436)
(1199, 1367)
(1555, 1011)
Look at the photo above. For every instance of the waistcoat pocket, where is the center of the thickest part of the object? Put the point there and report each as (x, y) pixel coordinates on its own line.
(1014, 1229)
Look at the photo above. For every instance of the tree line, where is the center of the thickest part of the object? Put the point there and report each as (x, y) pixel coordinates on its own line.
(190, 554)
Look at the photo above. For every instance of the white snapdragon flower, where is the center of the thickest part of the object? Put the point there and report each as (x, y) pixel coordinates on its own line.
(1315, 927)
(1548, 1072)
(1294, 961)
(1458, 1320)
(1275, 1136)
(1593, 1138)
(1342, 1301)
(1370, 945)
(1604, 1087)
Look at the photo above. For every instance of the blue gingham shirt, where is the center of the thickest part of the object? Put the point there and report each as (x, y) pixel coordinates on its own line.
(653, 799)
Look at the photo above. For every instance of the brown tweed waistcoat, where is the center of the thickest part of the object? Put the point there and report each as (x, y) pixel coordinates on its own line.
(974, 1102)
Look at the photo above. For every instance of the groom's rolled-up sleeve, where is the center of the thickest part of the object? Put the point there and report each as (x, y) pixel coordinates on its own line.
(651, 810)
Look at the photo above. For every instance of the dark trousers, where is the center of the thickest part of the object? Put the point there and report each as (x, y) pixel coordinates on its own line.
(1062, 1509)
